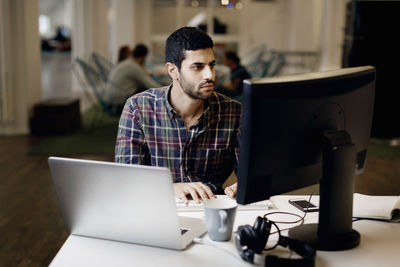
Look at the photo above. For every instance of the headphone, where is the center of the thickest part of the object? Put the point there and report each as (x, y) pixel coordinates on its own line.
(251, 240)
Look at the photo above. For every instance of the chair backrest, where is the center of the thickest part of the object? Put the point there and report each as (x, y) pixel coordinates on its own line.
(95, 82)
(275, 64)
(80, 76)
(265, 64)
(102, 64)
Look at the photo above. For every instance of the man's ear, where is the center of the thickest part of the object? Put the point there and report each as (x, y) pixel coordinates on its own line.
(172, 70)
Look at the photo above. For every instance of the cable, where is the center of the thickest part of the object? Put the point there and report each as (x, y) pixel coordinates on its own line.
(301, 220)
(200, 241)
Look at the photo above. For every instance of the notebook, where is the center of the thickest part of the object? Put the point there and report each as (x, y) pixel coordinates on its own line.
(121, 202)
(386, 208)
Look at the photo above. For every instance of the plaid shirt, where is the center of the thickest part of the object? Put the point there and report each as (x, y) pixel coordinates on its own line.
(150, 132)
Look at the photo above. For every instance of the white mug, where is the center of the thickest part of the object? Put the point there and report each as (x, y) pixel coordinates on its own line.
(220, 215)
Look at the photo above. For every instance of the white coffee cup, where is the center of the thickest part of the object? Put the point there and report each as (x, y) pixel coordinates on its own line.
(220, 215)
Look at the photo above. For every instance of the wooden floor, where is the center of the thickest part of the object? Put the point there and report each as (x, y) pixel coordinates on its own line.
(31, 228)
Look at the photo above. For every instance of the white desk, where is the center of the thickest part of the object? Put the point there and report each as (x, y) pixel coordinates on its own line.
(380, 243)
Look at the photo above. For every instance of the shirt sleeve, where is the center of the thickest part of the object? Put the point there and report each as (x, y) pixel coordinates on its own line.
(131, 146)
(232, 161)
(216, 186)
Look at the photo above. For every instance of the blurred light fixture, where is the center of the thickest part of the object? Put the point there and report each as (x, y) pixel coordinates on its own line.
(224, 2)
(239, 5)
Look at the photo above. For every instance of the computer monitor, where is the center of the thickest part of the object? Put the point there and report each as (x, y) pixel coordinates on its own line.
(305, 129)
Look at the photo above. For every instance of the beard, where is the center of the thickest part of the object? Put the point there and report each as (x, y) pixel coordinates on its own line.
(193, 91)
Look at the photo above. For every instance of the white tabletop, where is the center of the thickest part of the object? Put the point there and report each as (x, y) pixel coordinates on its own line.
(380, 243)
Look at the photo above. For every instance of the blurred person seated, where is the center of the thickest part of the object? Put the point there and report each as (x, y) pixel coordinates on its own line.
(234, 87)
(128, 78)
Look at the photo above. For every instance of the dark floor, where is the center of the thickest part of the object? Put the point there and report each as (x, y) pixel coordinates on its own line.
(31, 227)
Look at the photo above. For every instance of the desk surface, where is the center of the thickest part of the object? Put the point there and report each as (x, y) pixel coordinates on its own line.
(379, 247)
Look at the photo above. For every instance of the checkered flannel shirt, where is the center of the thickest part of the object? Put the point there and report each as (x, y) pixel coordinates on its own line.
(150, 132)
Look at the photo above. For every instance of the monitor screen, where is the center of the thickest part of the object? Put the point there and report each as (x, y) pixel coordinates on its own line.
(304, 129)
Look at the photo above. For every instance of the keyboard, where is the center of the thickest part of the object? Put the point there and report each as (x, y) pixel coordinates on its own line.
(193, 206)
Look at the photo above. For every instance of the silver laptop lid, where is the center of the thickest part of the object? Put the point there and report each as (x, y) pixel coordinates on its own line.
(122, 202)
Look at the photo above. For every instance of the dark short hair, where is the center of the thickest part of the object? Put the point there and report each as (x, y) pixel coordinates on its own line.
(140, 51)
(183, 39)
(123, 52)
(232, 56)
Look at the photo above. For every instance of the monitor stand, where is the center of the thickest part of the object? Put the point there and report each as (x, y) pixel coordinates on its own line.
(334, 229)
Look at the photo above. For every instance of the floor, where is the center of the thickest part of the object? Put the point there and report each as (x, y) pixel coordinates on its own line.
(31, 227)
(56, 75)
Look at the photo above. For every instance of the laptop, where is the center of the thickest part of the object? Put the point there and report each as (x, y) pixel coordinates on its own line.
(121, 202)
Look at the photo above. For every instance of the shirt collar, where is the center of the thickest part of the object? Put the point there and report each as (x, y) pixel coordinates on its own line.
(170, 110)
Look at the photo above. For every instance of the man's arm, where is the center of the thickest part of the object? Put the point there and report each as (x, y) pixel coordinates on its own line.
(231, 190)
(131, 145)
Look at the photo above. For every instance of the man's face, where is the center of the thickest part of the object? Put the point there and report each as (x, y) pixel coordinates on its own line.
(197, 73)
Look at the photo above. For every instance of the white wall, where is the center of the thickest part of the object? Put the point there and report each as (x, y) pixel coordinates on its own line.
(89, 32)
(332, 34)
(143, 21)
(282, 25)
(122, 25)
(61, 16)
(20, 63)
(100, 27)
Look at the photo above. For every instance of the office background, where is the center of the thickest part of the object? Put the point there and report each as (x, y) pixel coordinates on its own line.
(312, 35)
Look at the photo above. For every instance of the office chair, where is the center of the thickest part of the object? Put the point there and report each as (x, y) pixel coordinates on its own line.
(93, 85)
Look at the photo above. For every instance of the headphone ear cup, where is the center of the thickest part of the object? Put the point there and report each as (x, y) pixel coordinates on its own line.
(249, 236)
(261, 230)
(258, 224)
(244, 237)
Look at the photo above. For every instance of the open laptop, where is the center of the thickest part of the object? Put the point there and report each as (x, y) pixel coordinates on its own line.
(121, 202)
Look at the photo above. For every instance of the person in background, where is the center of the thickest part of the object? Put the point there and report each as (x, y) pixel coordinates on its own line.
(124, 53)
(238, 73)
(186, 126)
(127, 78)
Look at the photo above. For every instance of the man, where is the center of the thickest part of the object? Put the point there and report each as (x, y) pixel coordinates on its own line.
(238, 73)
(185, 126)
(127, 78)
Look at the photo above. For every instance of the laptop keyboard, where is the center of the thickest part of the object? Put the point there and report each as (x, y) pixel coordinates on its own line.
(193, 206)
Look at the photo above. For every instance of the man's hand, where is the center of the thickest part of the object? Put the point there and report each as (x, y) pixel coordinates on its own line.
(231, 190)
(198, 191)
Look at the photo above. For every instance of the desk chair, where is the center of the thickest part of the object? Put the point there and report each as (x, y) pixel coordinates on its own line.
(93, 85)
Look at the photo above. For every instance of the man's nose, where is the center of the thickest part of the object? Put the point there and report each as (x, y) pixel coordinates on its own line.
(208, 73)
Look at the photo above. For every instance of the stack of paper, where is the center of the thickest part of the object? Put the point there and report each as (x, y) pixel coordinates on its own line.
(377, 207)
